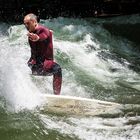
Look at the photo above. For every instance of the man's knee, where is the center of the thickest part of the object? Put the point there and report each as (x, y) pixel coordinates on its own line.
(57, 71)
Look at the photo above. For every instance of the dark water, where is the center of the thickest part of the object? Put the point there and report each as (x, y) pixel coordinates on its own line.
(100, 59)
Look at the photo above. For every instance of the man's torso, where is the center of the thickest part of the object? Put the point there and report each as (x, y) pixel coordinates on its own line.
(43, 48)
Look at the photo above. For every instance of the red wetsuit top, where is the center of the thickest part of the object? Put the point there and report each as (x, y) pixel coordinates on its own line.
(43, 48)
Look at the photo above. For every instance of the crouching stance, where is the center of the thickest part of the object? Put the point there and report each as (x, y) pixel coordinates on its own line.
(41, 61)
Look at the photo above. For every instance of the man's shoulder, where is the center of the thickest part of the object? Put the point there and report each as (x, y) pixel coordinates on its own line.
(42, 27)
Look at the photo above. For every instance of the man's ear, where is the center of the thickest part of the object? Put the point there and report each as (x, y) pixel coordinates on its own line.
(36, 23)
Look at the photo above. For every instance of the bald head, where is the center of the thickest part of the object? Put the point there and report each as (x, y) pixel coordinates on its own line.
(31, 17)
(30, 21)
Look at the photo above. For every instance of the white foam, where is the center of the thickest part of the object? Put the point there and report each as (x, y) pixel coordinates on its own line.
(93, 128)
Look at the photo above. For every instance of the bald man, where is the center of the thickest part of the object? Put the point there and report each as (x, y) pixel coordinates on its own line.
(41, 61)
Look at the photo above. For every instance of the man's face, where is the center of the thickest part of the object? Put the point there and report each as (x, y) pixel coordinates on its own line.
(30, 24)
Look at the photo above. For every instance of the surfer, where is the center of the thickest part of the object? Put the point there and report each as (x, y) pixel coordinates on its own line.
(41, 61)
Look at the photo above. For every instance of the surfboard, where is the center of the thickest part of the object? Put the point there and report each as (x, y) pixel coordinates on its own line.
(71, 105)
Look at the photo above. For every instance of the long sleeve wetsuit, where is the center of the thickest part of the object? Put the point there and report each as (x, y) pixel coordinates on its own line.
(42, 57)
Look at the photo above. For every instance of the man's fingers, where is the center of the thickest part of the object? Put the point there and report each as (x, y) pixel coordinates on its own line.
(30, 34)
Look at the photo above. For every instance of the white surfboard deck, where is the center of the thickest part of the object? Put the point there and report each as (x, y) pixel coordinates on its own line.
(71, 105)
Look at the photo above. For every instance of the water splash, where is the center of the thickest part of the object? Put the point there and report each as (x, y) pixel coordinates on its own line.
(17, 86)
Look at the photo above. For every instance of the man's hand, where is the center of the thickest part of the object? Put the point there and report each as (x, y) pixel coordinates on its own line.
(31, 63)
(33, 37)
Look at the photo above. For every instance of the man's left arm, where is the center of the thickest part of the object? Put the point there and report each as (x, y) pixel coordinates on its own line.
(43, 34)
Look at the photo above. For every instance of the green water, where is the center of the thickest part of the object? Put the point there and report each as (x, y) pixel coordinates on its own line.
(99, 58)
